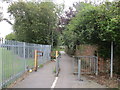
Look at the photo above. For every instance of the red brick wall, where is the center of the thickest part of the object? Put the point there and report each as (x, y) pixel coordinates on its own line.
(85, 50)
(89, 50)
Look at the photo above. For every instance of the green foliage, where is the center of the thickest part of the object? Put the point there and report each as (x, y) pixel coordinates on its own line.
(99, 25)
(54, 71)
(58, 48)
(10, 36)
(35, 22)
(41, 65)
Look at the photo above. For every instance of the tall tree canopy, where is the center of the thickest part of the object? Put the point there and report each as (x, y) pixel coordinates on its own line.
(98, 25)
(35, 22)
(95, 25)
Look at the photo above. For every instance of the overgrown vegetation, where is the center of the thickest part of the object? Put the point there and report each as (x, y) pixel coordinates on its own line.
(95, 24)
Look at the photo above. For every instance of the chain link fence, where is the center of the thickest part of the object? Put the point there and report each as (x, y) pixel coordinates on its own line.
(17, 57)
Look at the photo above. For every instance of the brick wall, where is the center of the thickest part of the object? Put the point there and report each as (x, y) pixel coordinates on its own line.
(89, 50)
(85, 50)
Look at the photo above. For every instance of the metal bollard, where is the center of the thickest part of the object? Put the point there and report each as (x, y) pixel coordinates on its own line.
(96, 66)
(79, 69)
(56, 66)
(73, 65)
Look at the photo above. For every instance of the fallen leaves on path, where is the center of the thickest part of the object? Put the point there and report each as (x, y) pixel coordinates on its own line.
(104, 79)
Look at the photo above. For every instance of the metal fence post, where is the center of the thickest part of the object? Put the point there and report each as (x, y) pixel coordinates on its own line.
(56, 66)
(18, 51)
(28, 53)
(57, 63)
(1, 64)
(73, 65)
(24, 55)
(111, 62)
(96, 66)
(49, 52)
(79, 69)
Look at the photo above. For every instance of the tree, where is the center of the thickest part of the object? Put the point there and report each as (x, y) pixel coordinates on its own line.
(98, 25)
(72, 32)
(34, 22)
(1, 12)
(10, 36)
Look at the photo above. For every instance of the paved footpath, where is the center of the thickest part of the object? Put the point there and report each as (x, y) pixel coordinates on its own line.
(44, 77)
(67, 79)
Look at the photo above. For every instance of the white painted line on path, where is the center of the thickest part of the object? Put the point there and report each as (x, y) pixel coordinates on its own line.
(54, 83)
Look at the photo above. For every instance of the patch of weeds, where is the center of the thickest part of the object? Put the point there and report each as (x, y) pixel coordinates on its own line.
(41, 65)
(54, 70)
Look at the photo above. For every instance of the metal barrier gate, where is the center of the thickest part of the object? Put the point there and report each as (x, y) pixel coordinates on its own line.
(85, 65)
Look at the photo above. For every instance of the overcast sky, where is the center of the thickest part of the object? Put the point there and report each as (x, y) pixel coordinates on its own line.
(6, 28)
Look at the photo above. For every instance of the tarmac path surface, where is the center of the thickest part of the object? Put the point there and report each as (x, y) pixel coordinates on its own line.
(67, 79)
(45, 77)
